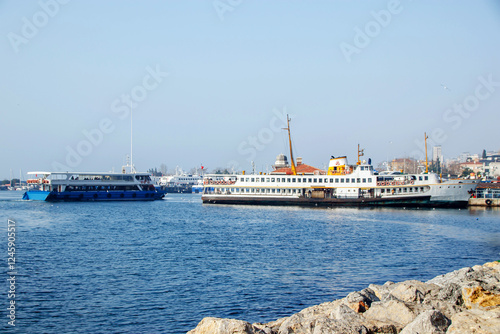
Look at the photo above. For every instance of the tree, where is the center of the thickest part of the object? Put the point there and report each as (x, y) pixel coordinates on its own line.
(466, 172)
(154, 172)
(219, 170)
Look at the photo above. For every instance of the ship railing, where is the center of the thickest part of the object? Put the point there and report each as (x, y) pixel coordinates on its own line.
(395, 183)
(218, 182)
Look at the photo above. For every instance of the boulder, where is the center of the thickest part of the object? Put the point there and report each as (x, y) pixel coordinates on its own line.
(392, 312)
(475, 322)
(429, 322)
(225, 326)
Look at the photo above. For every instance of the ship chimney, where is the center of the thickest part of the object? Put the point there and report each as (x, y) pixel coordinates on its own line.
(299, 161)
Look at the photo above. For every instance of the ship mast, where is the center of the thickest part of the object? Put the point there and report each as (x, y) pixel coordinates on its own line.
(360, 154)
(426, 161)
(131, 141)
(294, 170)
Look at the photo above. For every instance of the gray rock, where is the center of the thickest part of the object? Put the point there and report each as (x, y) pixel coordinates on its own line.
(392, 312)
(224, 326)
(428, 322)
(475, 321)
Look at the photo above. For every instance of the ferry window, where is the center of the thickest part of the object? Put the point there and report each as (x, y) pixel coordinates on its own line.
(272, 179)
(382, 191)
(411, 190)
(364, 180)
(320, 180)
(267, 180)
(370, 180)
(421, 188)
(253, 190)
(253, 179)
(257, 179)
(304, 180)
(278, 191)
(341, 180)
(420, 178)
(293, 180)
(273, 190)
(310, 180)
(336, 180)
(405, 190)
(287, 179)
(315, 180)
(426, 178)
(263, 180)
(347, 180)
(353, 180)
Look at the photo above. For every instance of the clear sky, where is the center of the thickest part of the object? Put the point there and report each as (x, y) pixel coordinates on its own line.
(209, 82)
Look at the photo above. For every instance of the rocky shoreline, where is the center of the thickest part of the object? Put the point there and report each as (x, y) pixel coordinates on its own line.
(463, 301)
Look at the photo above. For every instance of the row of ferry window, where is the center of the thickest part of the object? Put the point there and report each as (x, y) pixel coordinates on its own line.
(308, 180)
(402, 190)
(269, 191)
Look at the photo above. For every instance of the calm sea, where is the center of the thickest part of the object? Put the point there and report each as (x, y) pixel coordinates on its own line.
(160, 267)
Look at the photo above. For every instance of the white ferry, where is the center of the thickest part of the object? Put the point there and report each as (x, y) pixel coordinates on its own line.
(341, 185)
(90, 186)
(180, 182)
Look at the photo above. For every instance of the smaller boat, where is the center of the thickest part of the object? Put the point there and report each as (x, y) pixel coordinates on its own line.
(486, 194)
(91, 186)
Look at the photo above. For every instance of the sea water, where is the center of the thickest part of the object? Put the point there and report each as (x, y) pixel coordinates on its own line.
(160, 267)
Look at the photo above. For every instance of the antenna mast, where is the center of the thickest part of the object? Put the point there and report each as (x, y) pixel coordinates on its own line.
(294, 170)
(360, 154)
(426, 161)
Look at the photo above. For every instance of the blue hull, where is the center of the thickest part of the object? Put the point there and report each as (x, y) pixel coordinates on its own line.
(36, 195)
(74, 196)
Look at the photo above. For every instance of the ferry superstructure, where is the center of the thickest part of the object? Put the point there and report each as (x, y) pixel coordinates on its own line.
(91, 186)
(341, 185)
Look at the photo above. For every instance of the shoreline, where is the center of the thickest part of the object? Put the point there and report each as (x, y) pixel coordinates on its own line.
(463, 301)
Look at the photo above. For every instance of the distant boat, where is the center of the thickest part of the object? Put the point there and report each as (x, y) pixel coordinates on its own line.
(181, 182)
(91, 186)
(198, 188)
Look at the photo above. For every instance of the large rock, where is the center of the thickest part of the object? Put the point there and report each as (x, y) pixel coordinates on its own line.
(224, 326)
(475, 322)
(429, 322)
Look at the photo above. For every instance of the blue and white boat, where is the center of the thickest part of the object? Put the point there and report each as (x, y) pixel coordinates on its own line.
(91, 186)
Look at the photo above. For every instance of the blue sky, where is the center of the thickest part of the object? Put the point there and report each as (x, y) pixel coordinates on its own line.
(210, 81)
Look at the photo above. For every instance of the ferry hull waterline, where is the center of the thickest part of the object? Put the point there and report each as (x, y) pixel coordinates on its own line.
(341, 185)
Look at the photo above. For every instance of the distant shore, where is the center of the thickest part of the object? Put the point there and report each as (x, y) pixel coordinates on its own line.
(463, 301)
